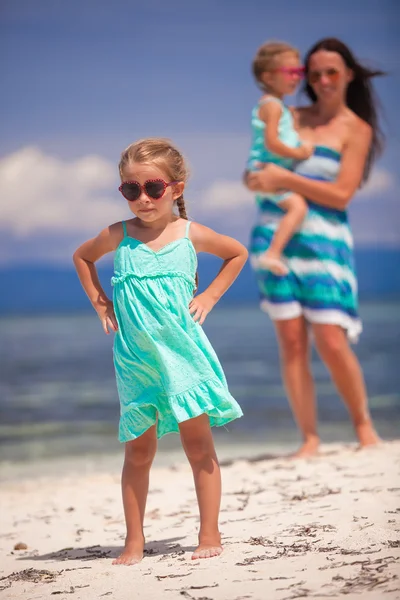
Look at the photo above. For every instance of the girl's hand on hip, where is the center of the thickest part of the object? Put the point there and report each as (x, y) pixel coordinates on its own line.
(107, 317)
(265, 180)
(200, 306)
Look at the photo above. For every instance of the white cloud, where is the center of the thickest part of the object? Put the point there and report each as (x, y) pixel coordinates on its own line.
(380, 181)
(222, 195)
(41, 193)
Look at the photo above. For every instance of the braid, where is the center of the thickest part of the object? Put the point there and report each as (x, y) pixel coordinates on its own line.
(180, 202)
(182, 208)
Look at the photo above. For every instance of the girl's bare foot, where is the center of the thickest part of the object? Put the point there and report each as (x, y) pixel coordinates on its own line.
(208, 547)
(367, 435)
(309, 448)
(273, 263)
(131, 554)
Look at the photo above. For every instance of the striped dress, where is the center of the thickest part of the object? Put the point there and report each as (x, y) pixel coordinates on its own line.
(321, 284)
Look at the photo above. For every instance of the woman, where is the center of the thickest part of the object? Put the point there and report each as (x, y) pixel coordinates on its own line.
(320, 292)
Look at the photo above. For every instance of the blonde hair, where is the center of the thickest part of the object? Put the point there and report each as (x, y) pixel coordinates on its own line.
(163, 154)
(265, 59)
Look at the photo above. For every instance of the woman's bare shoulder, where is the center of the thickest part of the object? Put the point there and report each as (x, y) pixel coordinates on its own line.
(357, 123)
(357, 128)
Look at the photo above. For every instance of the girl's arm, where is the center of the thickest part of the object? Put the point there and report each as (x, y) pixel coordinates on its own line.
(270, 113)
(234, 255)
(84, 258)
(336, 194)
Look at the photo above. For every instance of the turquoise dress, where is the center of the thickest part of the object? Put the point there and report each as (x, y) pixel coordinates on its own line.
(258, 151)
(321, 284)
(166, 369)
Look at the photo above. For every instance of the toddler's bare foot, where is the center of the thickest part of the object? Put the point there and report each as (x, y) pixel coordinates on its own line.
(131, 554)
(208, 547)
(274, 263)
(309, 448)
(367, 435)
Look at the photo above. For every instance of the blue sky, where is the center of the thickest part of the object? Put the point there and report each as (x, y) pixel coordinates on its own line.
(82, 79)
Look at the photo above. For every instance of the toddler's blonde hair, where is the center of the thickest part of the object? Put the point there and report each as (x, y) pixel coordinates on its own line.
(265, 59)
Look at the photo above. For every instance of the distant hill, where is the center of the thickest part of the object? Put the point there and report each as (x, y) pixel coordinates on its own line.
(44, 288)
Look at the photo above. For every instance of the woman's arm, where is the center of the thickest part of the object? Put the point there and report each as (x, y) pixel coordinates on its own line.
(234, 255)
(84, 258)
(335, 194)
(271, 113)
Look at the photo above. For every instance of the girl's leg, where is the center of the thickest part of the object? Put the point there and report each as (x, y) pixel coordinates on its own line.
(139, 455)
(295, 208)
(198, 445)
(294, 350)
(345, 370)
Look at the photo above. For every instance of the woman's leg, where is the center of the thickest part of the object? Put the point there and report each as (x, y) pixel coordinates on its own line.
(345, 370)
(139, 455)
(198, 445)
(294, 348)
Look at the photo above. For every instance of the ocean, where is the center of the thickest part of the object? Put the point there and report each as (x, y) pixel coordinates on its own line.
(58, 397)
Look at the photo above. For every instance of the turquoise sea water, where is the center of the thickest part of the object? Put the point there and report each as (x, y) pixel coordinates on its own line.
(58, 395)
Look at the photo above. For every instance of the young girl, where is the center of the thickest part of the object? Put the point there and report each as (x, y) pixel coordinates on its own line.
(168, 376)
(277, 70)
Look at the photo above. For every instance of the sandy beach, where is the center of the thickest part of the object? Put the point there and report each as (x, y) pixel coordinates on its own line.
(319, 528)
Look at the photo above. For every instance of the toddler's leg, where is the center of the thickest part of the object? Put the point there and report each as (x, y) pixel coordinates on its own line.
(296, 209)
(198, 444)
(139, 455)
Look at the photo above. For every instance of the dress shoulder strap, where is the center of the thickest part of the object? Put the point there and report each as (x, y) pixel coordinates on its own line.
(268, 99)
(124, 228)
(187, 229)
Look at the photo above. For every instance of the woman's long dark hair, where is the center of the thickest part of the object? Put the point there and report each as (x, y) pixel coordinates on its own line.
(360, 97)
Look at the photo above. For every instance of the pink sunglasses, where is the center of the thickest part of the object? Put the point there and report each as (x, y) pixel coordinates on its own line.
(153, 188)
(291, 71)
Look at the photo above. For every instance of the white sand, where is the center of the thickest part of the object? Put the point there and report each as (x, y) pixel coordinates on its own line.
(325, 527)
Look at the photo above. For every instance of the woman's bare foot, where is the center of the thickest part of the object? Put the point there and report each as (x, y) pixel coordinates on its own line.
(367, 435)
(309, 448)
(131, 554)
(208, 547)
(274, 263)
